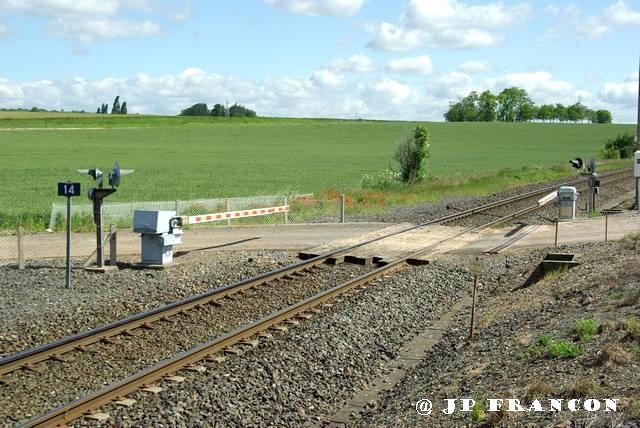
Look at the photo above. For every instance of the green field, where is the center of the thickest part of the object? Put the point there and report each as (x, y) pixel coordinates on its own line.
(186, 158)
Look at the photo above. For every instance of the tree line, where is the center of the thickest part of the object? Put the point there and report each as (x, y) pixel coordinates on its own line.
(115, 109)
(514, 105)
(218, 110)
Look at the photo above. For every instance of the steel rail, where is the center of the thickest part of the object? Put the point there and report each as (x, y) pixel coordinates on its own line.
(55, 349)
(76, 409)
(517, 198)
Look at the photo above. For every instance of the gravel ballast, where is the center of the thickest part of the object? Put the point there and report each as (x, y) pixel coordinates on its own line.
(36, 307)
(308, 372)
(36, 392)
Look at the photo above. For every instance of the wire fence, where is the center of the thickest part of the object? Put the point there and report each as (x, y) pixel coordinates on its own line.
(303, 208)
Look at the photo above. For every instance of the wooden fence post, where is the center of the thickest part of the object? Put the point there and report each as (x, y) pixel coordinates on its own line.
(342, 208)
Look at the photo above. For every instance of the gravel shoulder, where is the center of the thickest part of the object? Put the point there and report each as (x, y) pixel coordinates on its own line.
(507, 358)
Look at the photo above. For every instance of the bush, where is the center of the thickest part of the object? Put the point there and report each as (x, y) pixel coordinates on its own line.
(563, 349)
(384, 180)
(558, 348)
(411, 154)
(624, 144)
(608, 153)
(586, 328)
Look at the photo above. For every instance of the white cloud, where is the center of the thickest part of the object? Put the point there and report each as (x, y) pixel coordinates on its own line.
(4, 31)
(356, 63)
(451, 86)
(390, 91)
(89, 31)
(58, 8)
(474, 66)
(613, 17)
(419, 64)
(552, 9)
(326, 78)
(319, 7)
(622, 93)
(90, 21)
(540, 85)
(447, 23)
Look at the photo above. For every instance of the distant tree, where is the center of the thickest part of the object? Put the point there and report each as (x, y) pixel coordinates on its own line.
(123, 109)
(514, 105)
(576, 112)
(545, 112)
(588, 115)
(487, 105)
(116, 105)
(238, 110)
(105, 108)
(218, 110)
(455, 112)
(603, 116)
(560, 112)
(199, 109)
(470, 107)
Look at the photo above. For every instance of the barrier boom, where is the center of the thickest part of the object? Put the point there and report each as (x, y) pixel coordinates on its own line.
(195, 219)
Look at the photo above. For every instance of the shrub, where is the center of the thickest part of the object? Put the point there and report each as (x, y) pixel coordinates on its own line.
(478, 411)
(608, 153)
(563, 349)
(624, 144)
(586, 328)
(383, 180)
(557, 348)
(411, 154)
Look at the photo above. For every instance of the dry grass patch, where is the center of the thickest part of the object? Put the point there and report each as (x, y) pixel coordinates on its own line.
(632, 328)
(632, 410)
(613, 354)
(583, 388)
(499, 418)
(554, 274)
(526, 339)
(476, 370)
(631, 300)
(538, 389)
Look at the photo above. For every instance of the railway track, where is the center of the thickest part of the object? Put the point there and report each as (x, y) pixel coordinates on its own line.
(54, 350)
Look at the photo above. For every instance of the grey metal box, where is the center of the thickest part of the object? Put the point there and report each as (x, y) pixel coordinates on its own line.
(152, 221)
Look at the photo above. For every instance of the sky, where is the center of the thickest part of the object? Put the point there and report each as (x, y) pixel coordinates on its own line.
(369, 59)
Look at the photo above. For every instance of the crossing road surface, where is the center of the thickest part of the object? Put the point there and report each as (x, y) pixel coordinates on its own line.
(300, 237)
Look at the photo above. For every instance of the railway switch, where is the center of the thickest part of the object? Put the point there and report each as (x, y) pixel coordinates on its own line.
(159, 232)
(567, 197)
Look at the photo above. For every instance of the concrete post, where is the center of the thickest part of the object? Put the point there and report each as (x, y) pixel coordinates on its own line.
(286, 213)
(113, 245)
(227, 209)
(177, 207)
(20, 248)
(342, 208)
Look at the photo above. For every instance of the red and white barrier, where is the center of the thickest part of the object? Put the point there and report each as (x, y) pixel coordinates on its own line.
(550, 197)
(194, 219)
